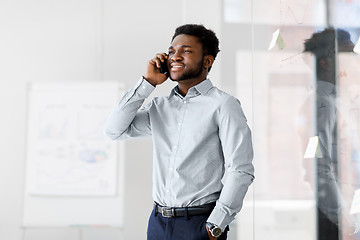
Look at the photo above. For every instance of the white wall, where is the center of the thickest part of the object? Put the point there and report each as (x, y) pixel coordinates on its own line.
(82, 40)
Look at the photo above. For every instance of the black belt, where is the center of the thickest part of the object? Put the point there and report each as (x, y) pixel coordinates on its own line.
(181, 211)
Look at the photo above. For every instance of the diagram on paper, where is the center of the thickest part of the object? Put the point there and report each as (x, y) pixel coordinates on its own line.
(68, 154)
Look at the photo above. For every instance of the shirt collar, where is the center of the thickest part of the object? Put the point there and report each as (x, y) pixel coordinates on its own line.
(202, 88)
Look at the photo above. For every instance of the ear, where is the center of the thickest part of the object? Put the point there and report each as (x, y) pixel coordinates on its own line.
(208, 61)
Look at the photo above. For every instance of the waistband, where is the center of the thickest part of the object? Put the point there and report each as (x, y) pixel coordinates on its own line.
(183, 211)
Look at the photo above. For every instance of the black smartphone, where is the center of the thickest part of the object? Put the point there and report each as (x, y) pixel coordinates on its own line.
(164, 67)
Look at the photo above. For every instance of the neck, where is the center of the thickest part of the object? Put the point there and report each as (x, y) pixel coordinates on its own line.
(327, 76)
(185, 85)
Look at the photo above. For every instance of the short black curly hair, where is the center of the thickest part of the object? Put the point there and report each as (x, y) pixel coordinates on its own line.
(207, 37)
(322, 44)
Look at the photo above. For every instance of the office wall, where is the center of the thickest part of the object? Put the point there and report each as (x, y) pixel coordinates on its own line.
(82, 40)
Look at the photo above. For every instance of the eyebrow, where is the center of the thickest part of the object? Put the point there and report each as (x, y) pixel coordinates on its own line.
(182, 46)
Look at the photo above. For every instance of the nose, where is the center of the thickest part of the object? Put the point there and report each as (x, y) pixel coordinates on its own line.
(176, 57)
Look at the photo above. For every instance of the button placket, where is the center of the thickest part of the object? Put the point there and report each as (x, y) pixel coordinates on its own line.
(175, 147)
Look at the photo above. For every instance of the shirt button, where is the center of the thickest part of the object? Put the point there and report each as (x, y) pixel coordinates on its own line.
(185, 101)
(167, 190)
(170, 169)
(175, 147)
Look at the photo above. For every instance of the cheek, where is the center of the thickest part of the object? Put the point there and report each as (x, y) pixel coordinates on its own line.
(198, 64)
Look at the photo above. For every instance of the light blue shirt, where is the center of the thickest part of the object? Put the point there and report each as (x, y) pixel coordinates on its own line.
(196, 140)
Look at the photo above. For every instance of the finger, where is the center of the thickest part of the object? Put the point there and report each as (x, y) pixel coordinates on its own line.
(152, 62)
(155, 62)
(158, 62)
(162, 56)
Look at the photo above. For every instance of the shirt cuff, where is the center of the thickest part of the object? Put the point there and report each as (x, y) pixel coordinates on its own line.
(220, 218)
(144, 88)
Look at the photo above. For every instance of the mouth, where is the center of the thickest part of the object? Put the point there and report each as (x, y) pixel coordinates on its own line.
(176, 67)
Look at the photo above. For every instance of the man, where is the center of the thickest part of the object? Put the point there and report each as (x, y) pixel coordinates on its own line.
(324, 46)
(198, 133)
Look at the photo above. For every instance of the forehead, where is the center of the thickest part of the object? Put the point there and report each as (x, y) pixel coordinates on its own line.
(186, 40)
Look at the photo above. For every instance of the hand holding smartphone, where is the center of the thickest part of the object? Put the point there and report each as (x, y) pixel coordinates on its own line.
(157, 69)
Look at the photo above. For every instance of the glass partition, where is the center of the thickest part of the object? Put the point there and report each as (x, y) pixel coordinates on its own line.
(292, 65)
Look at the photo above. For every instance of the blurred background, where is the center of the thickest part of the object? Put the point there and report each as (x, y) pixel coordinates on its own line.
(64, 65)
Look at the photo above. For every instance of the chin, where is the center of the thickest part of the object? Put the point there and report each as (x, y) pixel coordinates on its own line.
(181, 80)
(177, 79)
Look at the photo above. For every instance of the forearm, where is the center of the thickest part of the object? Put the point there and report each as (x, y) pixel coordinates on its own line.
(231, 198)
(119, 124)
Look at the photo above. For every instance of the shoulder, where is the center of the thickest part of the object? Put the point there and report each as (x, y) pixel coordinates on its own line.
(225, 100)
(228, 107)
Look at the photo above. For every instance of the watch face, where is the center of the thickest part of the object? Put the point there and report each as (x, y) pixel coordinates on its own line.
(216, 231)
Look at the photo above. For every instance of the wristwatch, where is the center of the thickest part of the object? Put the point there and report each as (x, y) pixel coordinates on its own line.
(214, 229)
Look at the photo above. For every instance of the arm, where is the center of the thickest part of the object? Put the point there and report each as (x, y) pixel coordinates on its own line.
(129, 119)
(235, 137)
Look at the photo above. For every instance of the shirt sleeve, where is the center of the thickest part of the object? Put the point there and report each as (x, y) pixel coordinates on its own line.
(326, 126)
(129, 118)
(236, 141)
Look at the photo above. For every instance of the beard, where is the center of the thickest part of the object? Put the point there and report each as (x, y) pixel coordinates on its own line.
(192, 73)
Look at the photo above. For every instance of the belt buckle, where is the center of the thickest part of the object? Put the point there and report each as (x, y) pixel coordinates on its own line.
(167, 212)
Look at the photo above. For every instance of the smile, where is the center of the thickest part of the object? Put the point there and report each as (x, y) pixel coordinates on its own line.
(177, 67)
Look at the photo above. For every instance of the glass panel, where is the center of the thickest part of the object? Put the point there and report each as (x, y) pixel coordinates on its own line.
(345, 17)
(348, 107)
(304, 110)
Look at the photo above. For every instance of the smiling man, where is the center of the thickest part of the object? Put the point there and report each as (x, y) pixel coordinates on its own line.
(200, 134)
